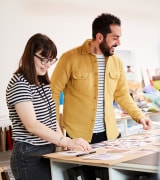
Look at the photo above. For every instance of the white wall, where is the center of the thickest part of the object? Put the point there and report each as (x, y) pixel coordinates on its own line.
(68, 23)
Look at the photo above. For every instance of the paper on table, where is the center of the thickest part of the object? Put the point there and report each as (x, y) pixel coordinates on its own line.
(156, 123)
(76, 153)
(104, 156)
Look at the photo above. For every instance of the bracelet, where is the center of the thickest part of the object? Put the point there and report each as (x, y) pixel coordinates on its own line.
(59, 142)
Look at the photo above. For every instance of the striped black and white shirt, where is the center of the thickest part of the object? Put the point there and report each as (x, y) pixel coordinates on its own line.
(20, 90)
(99, 121)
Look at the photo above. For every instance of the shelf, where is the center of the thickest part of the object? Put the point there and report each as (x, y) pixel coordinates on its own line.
(127, 126)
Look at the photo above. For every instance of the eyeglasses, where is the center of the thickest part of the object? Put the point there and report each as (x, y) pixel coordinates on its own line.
(46, 60)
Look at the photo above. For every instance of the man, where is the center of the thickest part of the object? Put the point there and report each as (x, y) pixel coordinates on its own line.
(92, 77)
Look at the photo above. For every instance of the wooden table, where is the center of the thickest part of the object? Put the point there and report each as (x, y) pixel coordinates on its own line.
(122, 170)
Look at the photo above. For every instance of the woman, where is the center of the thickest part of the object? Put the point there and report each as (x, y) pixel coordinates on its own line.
(33, 114)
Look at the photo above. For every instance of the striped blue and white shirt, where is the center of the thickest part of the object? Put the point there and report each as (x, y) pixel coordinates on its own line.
(20, 90)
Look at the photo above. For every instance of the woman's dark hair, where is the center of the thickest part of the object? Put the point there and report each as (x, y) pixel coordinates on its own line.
(47, 48)
(102, 24)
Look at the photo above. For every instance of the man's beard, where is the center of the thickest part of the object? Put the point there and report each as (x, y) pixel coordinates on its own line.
(105, 49)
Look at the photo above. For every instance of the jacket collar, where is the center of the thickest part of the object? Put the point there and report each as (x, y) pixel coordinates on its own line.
(85, 47)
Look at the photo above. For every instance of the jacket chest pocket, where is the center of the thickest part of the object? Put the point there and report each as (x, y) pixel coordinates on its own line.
(113, 79)
(80, 80)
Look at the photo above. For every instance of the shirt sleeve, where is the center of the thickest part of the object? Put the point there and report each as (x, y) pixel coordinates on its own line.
(19, 92)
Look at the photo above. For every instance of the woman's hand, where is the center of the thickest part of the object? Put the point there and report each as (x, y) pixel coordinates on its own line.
(75, 144)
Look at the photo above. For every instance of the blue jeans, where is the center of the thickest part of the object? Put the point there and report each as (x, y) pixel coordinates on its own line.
(27, 162)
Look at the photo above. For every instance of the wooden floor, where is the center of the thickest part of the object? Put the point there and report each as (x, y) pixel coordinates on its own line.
(5, 158)
(5, 162)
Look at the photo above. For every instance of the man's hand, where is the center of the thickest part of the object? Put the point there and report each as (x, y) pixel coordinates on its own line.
(147, 123)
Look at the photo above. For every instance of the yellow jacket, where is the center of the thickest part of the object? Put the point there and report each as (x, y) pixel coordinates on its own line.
(76, 75)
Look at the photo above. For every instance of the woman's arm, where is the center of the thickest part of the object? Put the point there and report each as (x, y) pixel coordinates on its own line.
(25, 111)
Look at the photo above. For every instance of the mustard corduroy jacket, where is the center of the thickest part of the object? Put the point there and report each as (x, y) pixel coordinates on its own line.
(76, 74)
